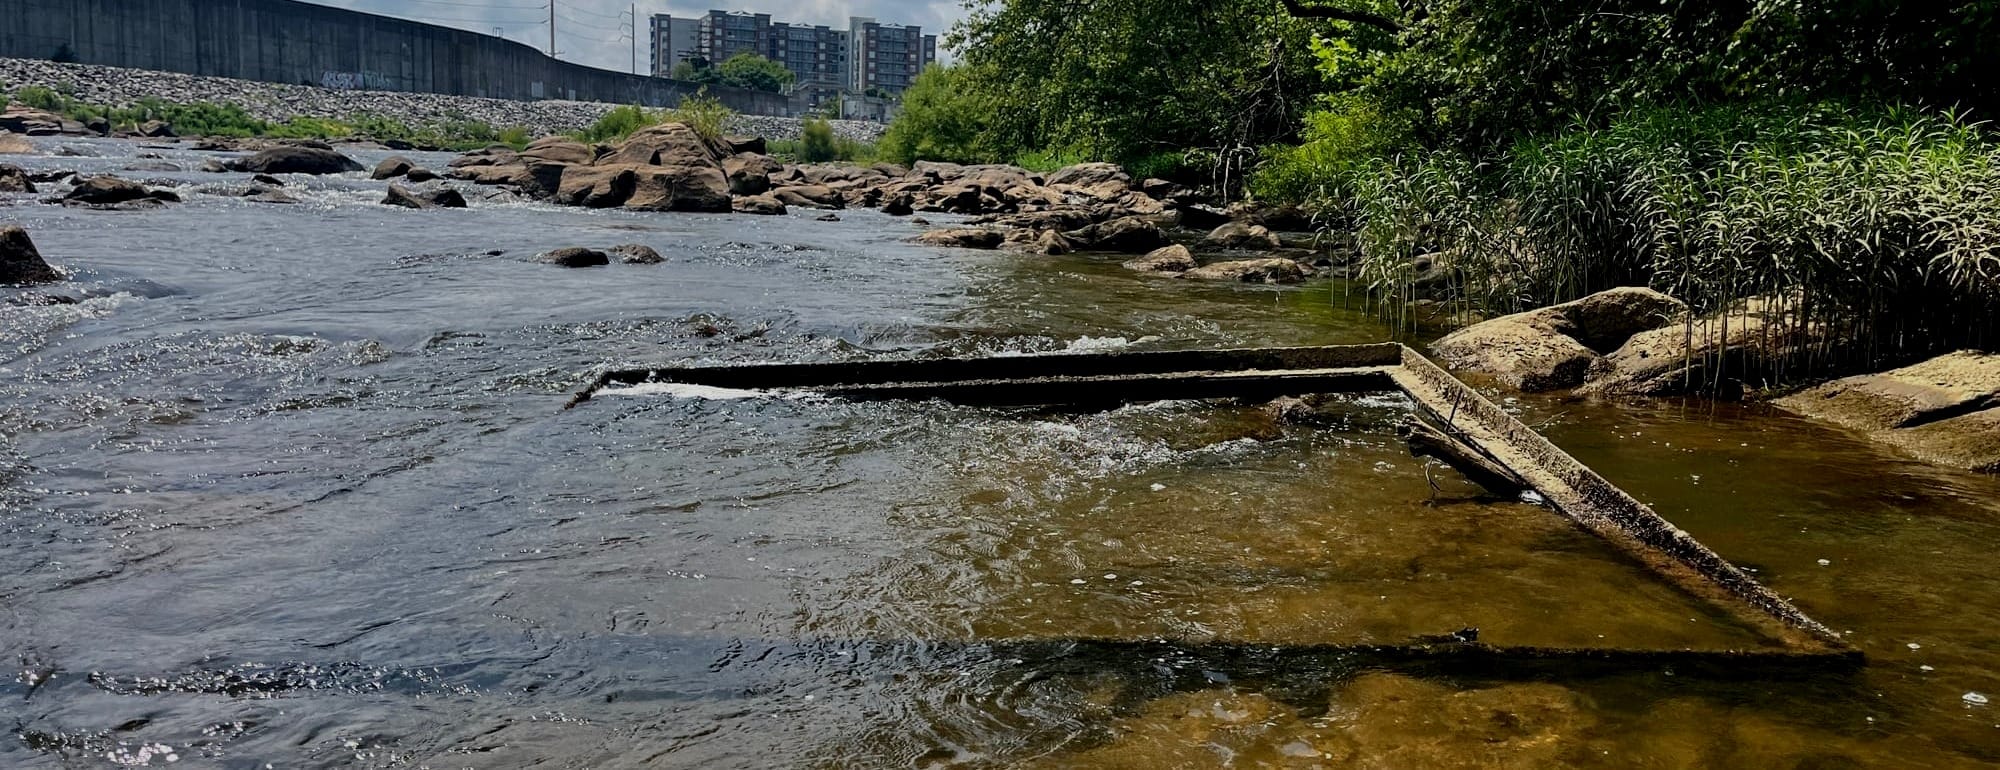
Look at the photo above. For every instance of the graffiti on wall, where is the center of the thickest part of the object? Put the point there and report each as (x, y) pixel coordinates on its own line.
(354, 81)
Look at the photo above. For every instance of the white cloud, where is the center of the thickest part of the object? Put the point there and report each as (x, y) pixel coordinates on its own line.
(594, 32)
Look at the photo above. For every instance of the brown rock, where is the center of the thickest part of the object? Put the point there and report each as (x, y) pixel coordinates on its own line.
(576, 257)
(392, 167)
(1170, 259)
(110, 191)
(559, 149)
(962, 238)
(899, 206)
(1242, 235)
(1945, 410)
(738, 145)
(15, 180)
(1555, 347)
(763, 205)
(810, 197)
(442, 198)
(157, 129)
(750, 173)
(1046, 242)
(637, 254)
(21, 263)
(1715, 354)
(1131, 235)
(1103, 181)
(667, 144)
(700, 188)
(597, 187)
(420, 174)
(1273, 270)
(15, 144)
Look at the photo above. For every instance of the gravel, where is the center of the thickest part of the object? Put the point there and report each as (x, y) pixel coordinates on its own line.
(118, 87)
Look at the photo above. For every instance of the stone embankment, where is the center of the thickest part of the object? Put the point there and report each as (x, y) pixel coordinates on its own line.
(118, 87)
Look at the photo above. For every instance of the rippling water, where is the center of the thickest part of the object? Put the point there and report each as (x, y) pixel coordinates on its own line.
(293, 485)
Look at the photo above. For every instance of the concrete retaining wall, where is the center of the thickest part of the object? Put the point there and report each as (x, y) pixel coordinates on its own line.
(291, 42)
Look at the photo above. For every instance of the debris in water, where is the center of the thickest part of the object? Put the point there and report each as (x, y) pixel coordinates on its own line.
(1975, 699)
(1077, 582)
(1532, 497)
(1925, 669)
(1825, 562)
(1915, 646)
(1158, 486)
(1110, 576)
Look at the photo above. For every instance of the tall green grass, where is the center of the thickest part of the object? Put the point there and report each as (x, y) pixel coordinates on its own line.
(1877, 233)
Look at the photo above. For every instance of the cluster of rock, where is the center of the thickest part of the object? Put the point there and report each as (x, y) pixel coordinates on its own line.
(1093, 206)
(118, 87)
(1945, 410)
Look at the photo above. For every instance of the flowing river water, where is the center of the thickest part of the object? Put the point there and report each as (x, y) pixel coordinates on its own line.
(293, 487)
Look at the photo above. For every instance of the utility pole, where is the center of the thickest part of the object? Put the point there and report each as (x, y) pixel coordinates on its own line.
(552, 29)
(635, 38)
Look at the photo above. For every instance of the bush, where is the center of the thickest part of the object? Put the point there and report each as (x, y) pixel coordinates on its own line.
(619, 123)
(816, 144)
(1342, 138)
(707, 115)
(942, 119)
(41, 98)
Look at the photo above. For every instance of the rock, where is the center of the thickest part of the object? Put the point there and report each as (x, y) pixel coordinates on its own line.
(758, 204)
(156, 129)
(441, 198)
(392, 167)
(576, 257)
(15, 144)
(20, 262)
(1131, 235)
(1286, 218)
(1104, 181)
(1945, 410)
(1242, 235)
(155, 166)
(637, 254)
(827, 218)
(1272, 270)
(1045, 242)
(739, 145)
(213, 166)
(810, 196)
(667, 144)
(920, 222)
(1749, 342)
(256, 195)
(296, 160)
(962, 238)
(1204, 217)
(110, 190)
(597, 187)
(560, 150)
(750, 173)
(420, 175)
(1170, 259)
(268, 179)
(700, 188)
(15, 180)
(899, 206)
(98, 126)
(1555, 347)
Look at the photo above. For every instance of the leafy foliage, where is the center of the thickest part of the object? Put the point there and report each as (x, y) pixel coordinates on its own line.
(944, 118)
(744, 70)
(619, 123)
(816, 144)
(706, 114)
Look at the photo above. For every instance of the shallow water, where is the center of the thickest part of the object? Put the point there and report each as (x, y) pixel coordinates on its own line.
(294, 486)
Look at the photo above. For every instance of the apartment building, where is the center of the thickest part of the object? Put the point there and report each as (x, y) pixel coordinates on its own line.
(674, 40)
(886, 57)
(867, 57)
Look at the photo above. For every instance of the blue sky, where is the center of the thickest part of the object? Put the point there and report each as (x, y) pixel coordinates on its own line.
(593, 31)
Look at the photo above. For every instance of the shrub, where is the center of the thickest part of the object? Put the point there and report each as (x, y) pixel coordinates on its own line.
(816, 144)
(707, 115)
(619, 123)
(41, 98)
(941, 120)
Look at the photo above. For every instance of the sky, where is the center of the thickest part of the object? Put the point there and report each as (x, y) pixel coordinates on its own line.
(594, 32)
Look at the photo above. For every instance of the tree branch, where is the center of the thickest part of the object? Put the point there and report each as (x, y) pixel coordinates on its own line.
(1377, 21)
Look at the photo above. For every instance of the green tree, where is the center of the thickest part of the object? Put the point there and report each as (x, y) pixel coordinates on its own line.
(697, 70)
(944, 117)
(748, 70)
(816, 144)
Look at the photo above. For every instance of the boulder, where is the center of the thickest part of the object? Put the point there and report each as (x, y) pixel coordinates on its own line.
(99, 126)
(738, 145)
(15, 144)
(680, 188)
(1243, 236)
(1170, 259)
(899, 206)
(267, 179)
(1284, 218)
(1045, 242)
(392, 167)
(1716, 354)
(213, 166)
(667, 144)
(21, 263)
(575, 257)
(22, 119)
(560, 150)
(111, 191)
(491, 155)
(1131, 235)
(750, 173)
(636, 254)
(962, 238)
(157, 129)
(1104, 181)
(15, 180)
(296, 160)
(420, 174)
(268, 195)
(810, 196)
(597, 187)
(758, 204)
(441, 198)
(1945, 410)
(827, 218)
(1553, 348)
(1272, 270)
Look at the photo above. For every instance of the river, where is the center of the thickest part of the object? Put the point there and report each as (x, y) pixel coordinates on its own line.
(293, 487)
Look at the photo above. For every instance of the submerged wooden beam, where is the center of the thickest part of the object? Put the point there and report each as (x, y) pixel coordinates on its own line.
(1426, 441)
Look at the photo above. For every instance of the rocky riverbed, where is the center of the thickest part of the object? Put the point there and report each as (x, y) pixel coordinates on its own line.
(117, 87)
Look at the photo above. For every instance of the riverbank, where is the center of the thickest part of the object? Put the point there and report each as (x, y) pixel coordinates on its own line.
(278, 102)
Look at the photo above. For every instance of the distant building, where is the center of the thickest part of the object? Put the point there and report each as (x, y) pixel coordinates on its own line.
(674, 41)
(886, 57)
(867, 58)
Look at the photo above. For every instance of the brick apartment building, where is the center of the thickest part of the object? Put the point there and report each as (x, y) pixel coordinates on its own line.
(866, 57)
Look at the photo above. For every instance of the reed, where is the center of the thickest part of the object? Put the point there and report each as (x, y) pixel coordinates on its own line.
(1877, 233)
